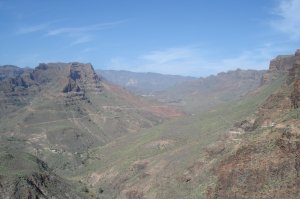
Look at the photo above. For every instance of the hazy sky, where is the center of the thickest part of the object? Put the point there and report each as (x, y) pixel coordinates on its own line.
(187, 37)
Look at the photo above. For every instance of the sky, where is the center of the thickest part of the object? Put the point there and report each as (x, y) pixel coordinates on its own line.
(190, 37)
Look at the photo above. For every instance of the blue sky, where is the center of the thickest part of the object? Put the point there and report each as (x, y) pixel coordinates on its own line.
(190, 37)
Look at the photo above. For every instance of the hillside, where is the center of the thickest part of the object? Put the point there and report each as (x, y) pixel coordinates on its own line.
(142, 83)
(25, 176)
(61, 110)
(266, 162)
(206, 155)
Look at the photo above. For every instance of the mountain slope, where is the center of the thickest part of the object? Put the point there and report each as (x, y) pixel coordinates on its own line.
(207, 154)
(179, 158)
(25, 176)
(169, 160)
(266, 163)
(61, 110)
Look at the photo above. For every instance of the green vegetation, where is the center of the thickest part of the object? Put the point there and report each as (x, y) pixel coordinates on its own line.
(171, 148)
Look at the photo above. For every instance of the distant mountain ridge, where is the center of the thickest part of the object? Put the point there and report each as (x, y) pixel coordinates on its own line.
(189, 93)
(142, 83)
(203, 93)
(10, 71)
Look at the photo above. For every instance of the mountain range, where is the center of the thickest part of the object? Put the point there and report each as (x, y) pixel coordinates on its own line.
(187, 94)
(142, 83)
(73, 133)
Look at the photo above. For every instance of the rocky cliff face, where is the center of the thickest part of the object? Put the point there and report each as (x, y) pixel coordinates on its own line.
(279, 66)
(281, 63)
(77, 77)
(82, 78)
(72, 79)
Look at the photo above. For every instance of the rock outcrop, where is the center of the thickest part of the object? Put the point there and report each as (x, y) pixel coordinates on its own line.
(82, 77)
(281, 65)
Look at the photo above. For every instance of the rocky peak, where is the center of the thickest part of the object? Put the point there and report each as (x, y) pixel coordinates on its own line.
(67, 77)
(81, 78)
(72, 79)
(42, 66)
(278, 66)
(282, 63)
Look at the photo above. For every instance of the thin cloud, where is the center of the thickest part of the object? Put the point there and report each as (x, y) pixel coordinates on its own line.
(169, 55)
(77, 35)
(42, 27)
(289, 18)
(82, 34)
(83, 29)
(81, 40)
(26, 29)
